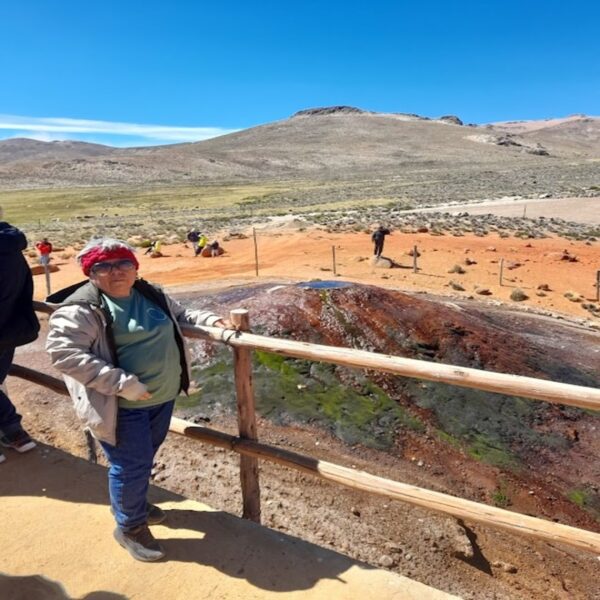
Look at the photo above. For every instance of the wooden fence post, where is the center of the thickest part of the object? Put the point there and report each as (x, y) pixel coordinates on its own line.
(47, 272)
(242, 364)
(255, 251)
(333, 253)
(501, 269)
(597, 286)
(415, 257)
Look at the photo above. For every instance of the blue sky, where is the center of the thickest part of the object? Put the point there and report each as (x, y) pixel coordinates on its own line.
(137, 73)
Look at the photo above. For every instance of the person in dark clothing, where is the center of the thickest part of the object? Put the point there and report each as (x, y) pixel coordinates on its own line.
(378, 239)
(193, 236)
(18, 326)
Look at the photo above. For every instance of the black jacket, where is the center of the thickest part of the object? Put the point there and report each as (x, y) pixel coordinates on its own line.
(18, 321)
(379, 234)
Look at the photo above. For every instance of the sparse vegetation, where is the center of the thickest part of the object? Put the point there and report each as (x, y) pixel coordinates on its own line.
(579, 497)
(457, 269)
(500, 496)
(518, 295)
(482, 448)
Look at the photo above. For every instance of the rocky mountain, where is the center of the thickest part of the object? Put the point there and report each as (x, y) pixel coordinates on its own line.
(578, 135)
(345, 147)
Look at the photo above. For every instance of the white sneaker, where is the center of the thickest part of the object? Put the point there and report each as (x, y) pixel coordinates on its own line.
(2, 457)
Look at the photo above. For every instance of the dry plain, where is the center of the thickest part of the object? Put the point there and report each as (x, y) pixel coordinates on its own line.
(285, 254)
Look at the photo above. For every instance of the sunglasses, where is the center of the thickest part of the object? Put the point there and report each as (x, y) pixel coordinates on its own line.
(104, 268)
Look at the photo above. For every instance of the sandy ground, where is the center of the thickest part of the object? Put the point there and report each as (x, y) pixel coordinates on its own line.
(289, 255)
(581, 210)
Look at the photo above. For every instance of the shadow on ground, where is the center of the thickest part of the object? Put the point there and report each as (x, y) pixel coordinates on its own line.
(37, 587)
(267, 559)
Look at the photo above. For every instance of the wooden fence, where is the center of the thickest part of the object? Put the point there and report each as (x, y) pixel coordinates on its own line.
(247, 445)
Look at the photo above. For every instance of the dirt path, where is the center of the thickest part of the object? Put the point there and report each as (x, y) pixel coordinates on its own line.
(581, 210)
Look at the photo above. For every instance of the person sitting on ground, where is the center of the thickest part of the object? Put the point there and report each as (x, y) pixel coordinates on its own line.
(193, 236)
(44, 248)
(18, 326)
(214, 248)
(118, 343)
(378, 238)
(156, 249)
(202, 241)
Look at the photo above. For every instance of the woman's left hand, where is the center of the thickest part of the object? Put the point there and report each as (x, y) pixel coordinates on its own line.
(224, 324)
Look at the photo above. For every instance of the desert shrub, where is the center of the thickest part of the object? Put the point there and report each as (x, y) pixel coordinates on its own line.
(500, 496)
(518, 295)
(457, 269)
(573, 296)
(579, 497)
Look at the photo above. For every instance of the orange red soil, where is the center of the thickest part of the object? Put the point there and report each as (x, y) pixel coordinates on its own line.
(305, 255)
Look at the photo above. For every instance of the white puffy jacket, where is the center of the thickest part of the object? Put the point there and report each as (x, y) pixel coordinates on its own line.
(81, 347)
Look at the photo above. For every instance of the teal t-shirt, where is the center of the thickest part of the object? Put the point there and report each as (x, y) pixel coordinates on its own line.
(146, 346)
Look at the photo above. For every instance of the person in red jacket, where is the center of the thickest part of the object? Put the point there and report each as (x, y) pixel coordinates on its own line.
(44, 248)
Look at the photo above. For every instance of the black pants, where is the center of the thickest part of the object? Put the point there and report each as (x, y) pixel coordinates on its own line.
(378, 247)
(10, 420)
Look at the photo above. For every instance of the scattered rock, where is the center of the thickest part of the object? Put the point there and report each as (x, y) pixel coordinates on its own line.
(386, 561)
(382, 263)
(482, 291)
(235, 235)
(506, 567)
(568, 257)
(453, 119)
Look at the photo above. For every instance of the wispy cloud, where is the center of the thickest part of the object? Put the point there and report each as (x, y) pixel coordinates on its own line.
(115, 133)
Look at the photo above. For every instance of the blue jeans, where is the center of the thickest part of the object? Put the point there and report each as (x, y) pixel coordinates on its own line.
(10, 420)
(140, 432)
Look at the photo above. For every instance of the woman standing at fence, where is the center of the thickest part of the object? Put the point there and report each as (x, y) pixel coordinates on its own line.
(117, 341)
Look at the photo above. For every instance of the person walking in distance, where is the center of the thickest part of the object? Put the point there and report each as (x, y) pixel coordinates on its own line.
(378, 238)
(18, 326)
(44, 248)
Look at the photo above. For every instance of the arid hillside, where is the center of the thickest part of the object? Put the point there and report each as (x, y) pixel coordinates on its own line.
(345, 153)
(23, 149)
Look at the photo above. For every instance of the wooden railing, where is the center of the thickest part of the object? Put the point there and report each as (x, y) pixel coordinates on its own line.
(251, 450)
